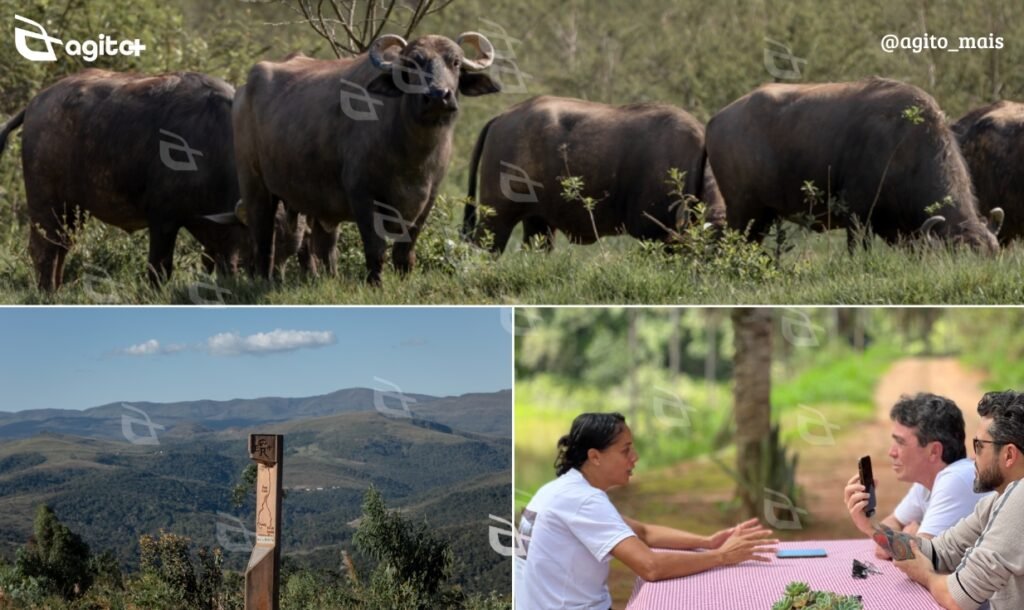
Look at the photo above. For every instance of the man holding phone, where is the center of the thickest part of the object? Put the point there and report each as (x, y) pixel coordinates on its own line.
(980, 558)
(928, 451)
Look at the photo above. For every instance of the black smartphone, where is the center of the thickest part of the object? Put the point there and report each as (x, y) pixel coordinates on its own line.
(867, 479)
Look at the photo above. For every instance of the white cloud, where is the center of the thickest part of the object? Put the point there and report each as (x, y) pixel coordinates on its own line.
(143, 349)
(233, 344)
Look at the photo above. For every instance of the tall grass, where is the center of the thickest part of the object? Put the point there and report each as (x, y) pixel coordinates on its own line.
(108, 266)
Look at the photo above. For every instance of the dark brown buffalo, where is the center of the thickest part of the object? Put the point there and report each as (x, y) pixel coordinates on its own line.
(93, 142)
(297, 138)
(881, 147)
(992, 140)
(622, 153)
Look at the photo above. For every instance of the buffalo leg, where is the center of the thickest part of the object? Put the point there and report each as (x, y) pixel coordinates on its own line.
(323, 247)
(758, 226)
(48, 251)
(261, 208)
(534, 226)
(161, 252)
(48, 244)
(403, 252)
(374, 245)
(500, 227)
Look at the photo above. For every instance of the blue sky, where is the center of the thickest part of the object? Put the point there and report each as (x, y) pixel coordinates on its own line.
(76, 358)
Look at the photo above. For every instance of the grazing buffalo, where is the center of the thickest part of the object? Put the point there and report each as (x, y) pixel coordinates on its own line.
(366, 139)
(992, 140)
(622, 153)
(135, 152)
(880, 148)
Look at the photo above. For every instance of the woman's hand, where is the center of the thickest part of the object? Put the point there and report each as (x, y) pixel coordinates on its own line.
(748, 540)
(716, 540)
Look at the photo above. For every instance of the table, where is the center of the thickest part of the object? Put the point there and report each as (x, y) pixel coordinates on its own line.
(754, 585)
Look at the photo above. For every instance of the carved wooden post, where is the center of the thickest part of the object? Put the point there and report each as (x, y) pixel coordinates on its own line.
(263, 575)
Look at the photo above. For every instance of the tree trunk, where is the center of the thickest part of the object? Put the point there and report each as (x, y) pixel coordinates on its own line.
(674, 365)
(711, 322)
(752, 328)
(631, 347)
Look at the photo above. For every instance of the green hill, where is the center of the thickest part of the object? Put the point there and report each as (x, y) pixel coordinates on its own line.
(113, 492)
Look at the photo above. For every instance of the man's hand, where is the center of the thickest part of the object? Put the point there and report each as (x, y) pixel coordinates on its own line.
(749, 540)
(919, 569)
(856, 500)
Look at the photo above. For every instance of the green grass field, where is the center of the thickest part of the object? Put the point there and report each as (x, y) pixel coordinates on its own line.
(107, 266)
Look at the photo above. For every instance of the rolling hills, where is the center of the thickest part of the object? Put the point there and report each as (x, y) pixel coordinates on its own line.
(446, 461)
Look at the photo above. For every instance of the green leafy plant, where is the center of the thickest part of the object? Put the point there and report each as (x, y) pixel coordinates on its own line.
(914, 114)
(799, 596)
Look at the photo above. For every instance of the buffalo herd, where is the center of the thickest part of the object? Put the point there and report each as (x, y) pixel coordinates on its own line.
(269, 171)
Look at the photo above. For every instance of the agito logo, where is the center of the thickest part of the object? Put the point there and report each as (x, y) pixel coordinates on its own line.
(88, 50)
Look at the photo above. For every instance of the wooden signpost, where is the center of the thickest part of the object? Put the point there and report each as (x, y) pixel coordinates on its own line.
(263, 575)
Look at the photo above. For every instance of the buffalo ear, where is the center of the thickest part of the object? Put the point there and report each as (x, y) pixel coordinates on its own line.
(384, 85)
(475, 83)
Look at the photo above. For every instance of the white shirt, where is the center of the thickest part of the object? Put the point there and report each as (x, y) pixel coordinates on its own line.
(951, 499)
(569, 529)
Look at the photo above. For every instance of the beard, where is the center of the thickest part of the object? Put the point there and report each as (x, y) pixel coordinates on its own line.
(989, 479)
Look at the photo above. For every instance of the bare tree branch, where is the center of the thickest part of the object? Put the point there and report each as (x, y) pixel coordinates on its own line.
(357, 32)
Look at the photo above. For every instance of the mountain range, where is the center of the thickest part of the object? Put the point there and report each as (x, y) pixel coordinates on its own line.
(469, 412)
(444, 460)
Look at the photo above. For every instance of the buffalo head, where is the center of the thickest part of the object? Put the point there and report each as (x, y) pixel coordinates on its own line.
(430, 72)
(979, 235)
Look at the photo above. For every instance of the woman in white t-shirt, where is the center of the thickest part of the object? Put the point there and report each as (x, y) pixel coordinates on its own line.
(571, 530)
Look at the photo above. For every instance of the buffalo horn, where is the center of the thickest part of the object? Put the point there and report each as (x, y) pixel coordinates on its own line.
(382, 44)
(926, 228)
(484, 50)
(995, 217)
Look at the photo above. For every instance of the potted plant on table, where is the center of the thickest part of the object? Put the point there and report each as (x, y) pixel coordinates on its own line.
(799, 596)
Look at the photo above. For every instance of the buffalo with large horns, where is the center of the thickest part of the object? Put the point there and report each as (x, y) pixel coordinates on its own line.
(366, 139)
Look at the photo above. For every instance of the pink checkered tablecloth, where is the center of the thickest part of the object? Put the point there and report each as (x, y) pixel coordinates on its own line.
(753, 585)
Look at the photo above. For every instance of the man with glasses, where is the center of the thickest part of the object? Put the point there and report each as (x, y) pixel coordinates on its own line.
(981, 558)
(927, 450)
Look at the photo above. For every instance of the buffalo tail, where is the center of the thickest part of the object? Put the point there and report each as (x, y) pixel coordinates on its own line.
(12, 124)
(469, 214)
